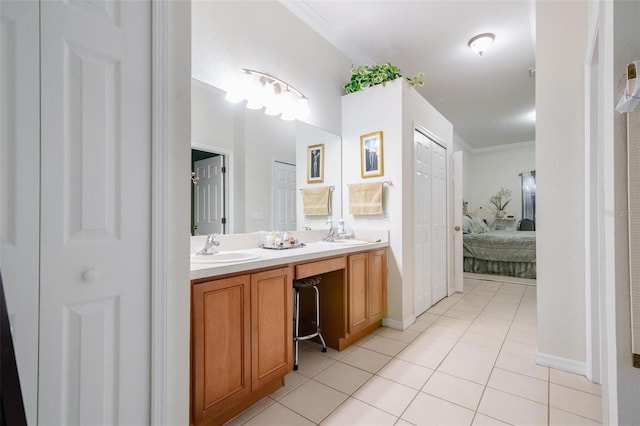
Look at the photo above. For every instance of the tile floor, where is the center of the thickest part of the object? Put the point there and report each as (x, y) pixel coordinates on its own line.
(469, 360)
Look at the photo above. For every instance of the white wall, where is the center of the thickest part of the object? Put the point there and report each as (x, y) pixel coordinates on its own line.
(266, 139)
(178, 315)
(307, 135)
(460, 144)
(265, 36)
(393, 109)
(492, 169)
(560, 224)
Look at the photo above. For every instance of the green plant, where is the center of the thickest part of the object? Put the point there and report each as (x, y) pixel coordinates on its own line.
(370, 75)
(501, 199)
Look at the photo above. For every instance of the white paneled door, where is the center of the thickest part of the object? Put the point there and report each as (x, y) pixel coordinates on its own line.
(422, 222)
(430, 222)
(284, 196)
(209, 196)
(94, 353)
(19, 185)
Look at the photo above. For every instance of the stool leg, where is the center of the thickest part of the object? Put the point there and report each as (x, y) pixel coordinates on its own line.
(295, 336)
(318, 328)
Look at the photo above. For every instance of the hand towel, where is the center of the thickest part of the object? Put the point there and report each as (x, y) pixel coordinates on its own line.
(317, 201)
(365, 198)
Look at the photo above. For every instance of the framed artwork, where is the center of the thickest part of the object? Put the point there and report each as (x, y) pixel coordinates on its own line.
(371, 158)
(315, 163)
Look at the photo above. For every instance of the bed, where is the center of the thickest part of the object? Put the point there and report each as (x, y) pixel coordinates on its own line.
(510, 253)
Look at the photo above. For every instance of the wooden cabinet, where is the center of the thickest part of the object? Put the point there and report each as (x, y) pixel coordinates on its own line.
(367, 290)
(221, 375)
(242, 327)
(271, 326)
(241, 342)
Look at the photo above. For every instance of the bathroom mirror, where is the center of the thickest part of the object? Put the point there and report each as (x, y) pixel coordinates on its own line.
(248, 167)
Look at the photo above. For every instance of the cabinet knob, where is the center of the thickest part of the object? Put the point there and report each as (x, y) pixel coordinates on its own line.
(457, 228)
(90, 276)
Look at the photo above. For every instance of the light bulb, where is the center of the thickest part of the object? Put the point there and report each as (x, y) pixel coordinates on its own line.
(288, 106)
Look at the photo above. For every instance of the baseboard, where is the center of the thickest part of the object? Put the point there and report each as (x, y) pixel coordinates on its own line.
(399, 325)
(501, 278)
(564, 364)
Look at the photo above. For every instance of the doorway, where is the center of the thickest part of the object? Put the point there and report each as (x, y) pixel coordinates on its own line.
(209, 193)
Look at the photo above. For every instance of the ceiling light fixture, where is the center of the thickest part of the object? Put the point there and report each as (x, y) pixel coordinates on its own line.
(480, 43)
(262, 90)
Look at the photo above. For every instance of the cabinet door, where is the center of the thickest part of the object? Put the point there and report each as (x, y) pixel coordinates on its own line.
(271, 325)
(220, 341)
(377, 284)
(358, 294)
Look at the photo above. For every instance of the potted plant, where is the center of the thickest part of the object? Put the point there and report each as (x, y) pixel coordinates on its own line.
(500, 201)
(370, 75)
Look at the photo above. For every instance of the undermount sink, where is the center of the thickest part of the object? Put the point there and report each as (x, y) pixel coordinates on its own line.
(225, 257)
(348, 242)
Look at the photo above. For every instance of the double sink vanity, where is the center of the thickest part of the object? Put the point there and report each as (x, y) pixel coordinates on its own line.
(242, 311)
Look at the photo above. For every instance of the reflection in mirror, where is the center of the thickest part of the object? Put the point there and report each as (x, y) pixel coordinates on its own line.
(529, 195)
(208, 193)
(260, 154)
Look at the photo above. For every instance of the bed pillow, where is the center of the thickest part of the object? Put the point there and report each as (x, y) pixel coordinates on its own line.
(478, 226)
(467, 224)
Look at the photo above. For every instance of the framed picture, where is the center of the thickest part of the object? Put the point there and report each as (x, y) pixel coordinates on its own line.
(315, 163)
(371, 159)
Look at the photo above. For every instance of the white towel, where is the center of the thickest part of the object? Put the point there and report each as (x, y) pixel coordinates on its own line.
(317, 201)
(365, 198)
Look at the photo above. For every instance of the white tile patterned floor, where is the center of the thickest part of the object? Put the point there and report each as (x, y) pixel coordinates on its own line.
(469, 360)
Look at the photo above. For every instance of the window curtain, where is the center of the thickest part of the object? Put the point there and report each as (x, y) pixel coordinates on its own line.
(528, 195)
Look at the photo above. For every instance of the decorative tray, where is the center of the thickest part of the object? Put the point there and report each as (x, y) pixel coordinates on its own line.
(281, 246)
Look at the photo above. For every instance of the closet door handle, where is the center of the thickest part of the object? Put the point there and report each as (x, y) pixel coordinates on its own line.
(457, 228)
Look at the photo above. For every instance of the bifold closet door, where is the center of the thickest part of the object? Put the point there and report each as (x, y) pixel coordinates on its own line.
(95, 212)
(423, 235)
(20, 185)
(430, 222)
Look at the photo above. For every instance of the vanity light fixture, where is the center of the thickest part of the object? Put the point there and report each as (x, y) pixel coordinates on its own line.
(262, 90)
(480, 43)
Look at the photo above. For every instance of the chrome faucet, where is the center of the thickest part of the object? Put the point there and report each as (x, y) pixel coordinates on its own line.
(331, 235)
(209, 246)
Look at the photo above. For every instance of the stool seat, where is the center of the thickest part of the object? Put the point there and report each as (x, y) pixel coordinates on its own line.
(308, 282)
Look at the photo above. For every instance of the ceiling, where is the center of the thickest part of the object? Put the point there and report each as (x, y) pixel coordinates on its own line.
(490, 99)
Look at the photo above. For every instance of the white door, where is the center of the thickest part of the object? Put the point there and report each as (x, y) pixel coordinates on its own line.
(20, 185)
(95, 212)
(439, 223)
(458, 269)
(284, 196)
(209, 196)
(422, 222)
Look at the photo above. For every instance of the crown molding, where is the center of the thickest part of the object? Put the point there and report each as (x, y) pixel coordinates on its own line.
(306, 14)
(503, 147)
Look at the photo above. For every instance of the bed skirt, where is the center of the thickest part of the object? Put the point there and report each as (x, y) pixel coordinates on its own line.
(511, 269)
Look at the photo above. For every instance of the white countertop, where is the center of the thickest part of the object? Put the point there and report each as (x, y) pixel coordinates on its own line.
(274, 258)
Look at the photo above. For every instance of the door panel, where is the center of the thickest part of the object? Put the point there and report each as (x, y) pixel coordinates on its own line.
(20, 185)
(284, 200)
(209, 193)
(221, 369)
(422, 222)
(358, 294)
(457, 221)
(95, 203)
(377, 281)
(271, 325)
(439, 225)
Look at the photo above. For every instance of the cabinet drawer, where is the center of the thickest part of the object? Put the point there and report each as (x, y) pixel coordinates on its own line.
(320, 267)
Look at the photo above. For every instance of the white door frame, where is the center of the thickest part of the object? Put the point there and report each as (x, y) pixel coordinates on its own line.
(593, 209)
